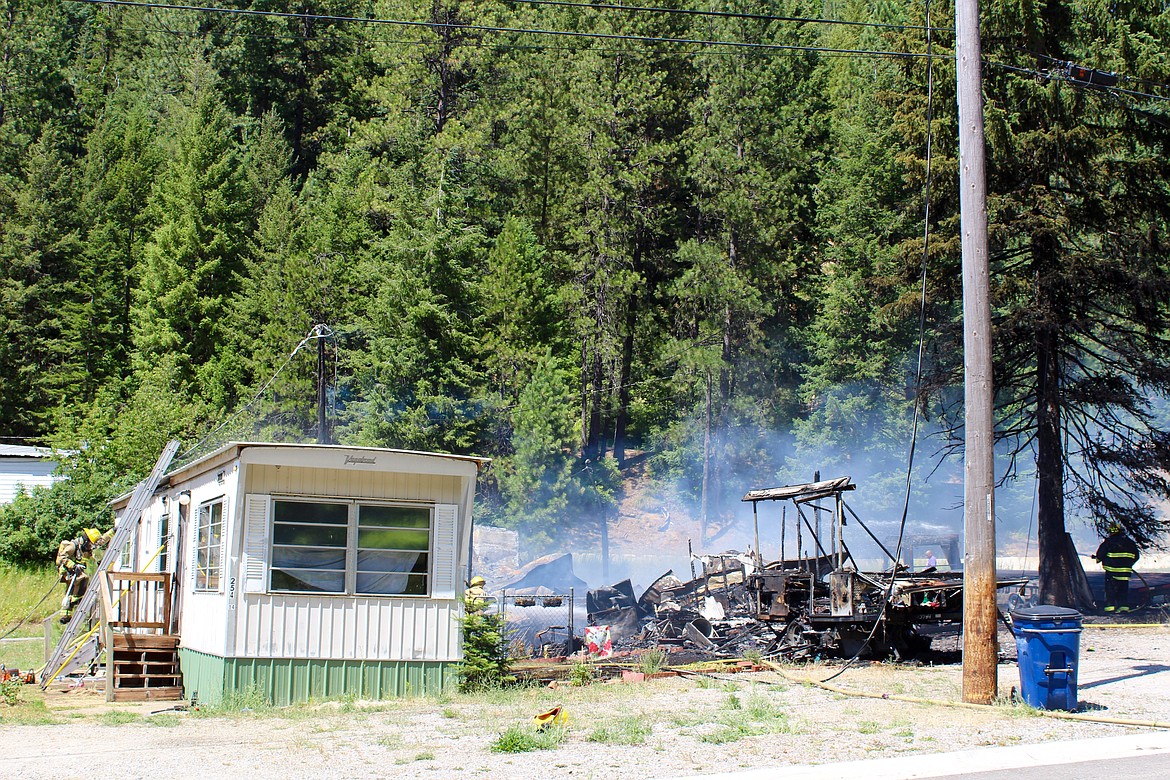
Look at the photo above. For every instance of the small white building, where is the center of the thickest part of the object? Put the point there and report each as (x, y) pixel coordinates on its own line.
(310, 571)
(27, 466)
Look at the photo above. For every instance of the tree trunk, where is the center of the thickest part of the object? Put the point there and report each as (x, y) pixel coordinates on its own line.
(603, 513)
(595, 445)
(706, 497)
(1055, 567)
(623, 411)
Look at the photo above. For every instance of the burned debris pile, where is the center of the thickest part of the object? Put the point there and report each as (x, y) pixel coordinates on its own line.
(798, 608)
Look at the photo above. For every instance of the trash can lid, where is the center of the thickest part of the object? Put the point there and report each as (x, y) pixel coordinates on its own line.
(1045, 612)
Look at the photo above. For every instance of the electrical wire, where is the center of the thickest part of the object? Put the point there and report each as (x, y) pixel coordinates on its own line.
(1056, 76)
(32, 611)
(319, 331)
(718, 14)
(494, 29)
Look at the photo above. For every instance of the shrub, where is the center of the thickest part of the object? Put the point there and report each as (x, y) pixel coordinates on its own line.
(582, 674)
(485, 657)
(652, 661)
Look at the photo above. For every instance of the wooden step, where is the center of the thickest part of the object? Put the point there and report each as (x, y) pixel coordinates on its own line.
(146, 641)
(145, 667)
(165, 693)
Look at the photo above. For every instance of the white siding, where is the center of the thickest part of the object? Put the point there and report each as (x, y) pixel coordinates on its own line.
(359, 628)
(205, 616)
(29, 472)
(337, 483)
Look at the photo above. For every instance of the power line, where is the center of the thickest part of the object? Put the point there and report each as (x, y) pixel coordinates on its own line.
(1058, 76)
(287, 36)
(492, 29)
(1065, 75)
(720, 14)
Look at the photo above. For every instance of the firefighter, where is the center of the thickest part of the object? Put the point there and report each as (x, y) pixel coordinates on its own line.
(1117, 555)
(72, 555)
(475, 598)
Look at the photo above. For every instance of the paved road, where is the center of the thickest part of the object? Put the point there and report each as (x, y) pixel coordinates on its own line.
(1151, 767)
(1135, 756)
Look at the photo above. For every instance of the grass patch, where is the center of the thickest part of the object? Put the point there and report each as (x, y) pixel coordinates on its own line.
(165, 720)
(424, 756)
(118, 718)
(627, 731)
(1015, 708)
(868, 727)
(521, 739)
(450, 713)
(27, 713)
(751, 718)
(23, 587)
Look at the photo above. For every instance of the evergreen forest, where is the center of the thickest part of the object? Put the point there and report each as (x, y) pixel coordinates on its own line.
(703, 239)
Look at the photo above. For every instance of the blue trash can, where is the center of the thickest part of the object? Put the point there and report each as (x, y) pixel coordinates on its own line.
(1048, 641)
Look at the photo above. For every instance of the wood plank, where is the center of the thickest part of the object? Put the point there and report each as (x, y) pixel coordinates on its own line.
(168, 693)
(146, 641)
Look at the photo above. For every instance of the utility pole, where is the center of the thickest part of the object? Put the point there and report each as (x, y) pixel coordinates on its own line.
(979, 610)
(322, 432)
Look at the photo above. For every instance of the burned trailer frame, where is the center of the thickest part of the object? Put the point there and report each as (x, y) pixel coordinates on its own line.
(823, 604)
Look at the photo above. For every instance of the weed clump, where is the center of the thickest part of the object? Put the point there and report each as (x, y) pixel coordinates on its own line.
(627, 731)
(520, 739)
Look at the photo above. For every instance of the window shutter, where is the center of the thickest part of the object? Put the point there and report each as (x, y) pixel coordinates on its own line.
(445, 553)
(256, 543)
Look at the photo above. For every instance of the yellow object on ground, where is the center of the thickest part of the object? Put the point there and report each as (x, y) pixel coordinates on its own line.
(557, 716)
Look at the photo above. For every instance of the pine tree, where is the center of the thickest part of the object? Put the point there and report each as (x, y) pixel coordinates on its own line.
(41, 312)
(192, 263)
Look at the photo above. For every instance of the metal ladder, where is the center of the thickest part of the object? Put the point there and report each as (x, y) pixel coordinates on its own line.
(67, 657)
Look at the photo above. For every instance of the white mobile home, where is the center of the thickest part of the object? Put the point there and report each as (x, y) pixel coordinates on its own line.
(311, 570)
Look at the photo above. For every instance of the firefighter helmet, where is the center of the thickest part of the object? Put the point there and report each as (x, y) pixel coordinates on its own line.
(93, 535)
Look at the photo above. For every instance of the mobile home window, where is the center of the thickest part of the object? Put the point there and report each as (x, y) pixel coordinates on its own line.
(208, 538)
(309, 543)
(393, 549)
(346, 547)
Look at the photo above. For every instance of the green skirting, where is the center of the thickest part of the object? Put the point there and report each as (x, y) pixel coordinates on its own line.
(292, 680)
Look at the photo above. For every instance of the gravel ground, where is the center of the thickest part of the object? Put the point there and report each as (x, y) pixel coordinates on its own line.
(673, 726)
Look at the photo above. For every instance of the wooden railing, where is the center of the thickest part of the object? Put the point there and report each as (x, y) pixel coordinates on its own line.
(136, 601)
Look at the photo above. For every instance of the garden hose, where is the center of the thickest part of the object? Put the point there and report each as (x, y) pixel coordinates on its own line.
(960, 704)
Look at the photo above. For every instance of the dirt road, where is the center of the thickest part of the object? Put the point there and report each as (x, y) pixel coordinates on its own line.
(676, 726)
